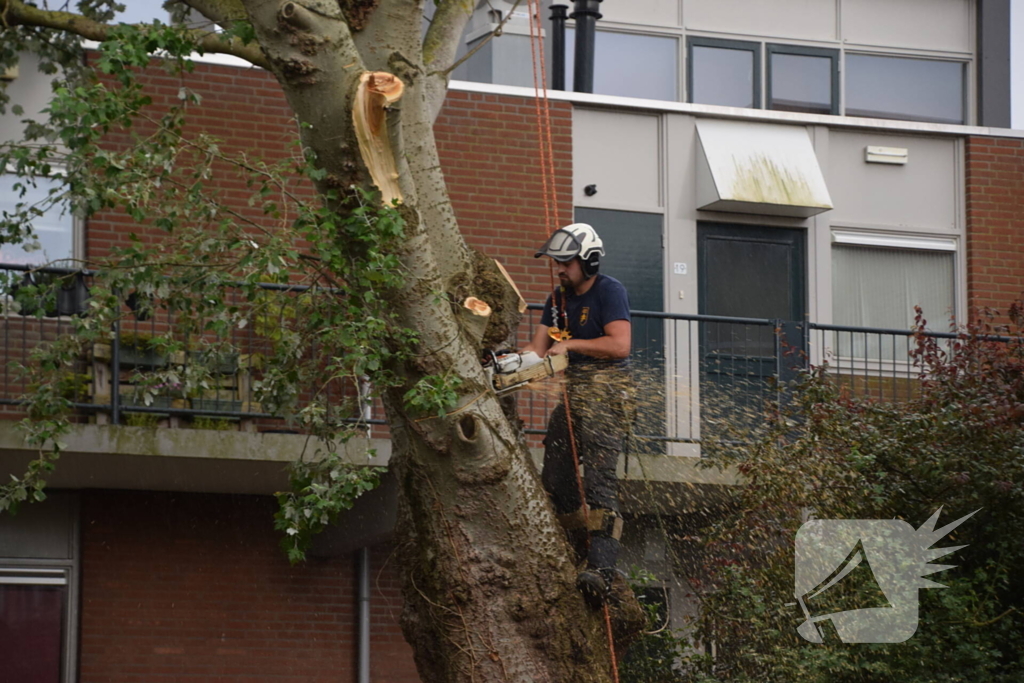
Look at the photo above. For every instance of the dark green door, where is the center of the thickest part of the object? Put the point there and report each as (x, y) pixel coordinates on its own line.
(745, 272)
(634, 255)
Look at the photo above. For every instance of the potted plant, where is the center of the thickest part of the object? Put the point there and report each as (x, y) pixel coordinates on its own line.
(218, 362)
(49, 294)
(139, 351)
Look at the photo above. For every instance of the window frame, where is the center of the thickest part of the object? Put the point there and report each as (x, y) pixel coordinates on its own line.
(627, 31)
(54, 546)
(754, 47)
(804, 51)
(842, 237)
(966, 85)
(22, 571)
(77, 223)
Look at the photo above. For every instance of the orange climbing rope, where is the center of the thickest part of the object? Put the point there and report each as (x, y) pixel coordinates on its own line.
(543, 113)
(545, 149)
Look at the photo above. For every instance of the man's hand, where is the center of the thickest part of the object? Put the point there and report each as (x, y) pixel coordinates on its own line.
(559, 348)
(541, 342)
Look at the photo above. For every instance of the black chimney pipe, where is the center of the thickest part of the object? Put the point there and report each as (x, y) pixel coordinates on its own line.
(558, 17)
(586, 16)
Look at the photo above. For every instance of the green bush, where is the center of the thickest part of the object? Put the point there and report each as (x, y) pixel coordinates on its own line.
(956, 444)
(658, 655)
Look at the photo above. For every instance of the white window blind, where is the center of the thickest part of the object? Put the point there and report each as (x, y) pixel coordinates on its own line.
(879, 287)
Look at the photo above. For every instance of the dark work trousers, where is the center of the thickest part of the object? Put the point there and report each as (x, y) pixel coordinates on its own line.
(601, 408)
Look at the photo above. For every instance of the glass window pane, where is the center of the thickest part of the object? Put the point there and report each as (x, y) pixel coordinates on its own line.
(800, 83)
(722, 76)
(879, 287)
(31, 632)
(54, 229)
(629, 65)
(902, 88)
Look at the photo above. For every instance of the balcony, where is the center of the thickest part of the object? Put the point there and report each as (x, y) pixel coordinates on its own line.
(693, 372)
(694, 375)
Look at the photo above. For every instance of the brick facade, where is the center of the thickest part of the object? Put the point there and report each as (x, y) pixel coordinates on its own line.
(488, 149)
(995, 221)
(193, 586)
(487, 145)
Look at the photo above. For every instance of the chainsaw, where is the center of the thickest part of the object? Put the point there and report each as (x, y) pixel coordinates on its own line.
(510, 371)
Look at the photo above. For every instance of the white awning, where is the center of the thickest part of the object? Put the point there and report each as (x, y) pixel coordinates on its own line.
(759, 168)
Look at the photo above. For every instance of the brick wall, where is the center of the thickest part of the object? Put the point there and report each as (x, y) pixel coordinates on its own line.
(190, 586)
(243, 108)
(995, 221)
(488, 148)
(487, 144)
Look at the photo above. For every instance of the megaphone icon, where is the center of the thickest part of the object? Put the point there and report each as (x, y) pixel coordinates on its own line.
(850, 586)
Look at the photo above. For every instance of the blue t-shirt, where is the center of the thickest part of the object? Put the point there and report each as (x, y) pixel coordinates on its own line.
(586, 315)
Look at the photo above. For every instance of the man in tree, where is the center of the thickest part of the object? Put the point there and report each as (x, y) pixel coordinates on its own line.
(365, 84)
(587, 316)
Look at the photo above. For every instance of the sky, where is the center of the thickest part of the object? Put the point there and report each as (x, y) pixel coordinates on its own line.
(1017, 63)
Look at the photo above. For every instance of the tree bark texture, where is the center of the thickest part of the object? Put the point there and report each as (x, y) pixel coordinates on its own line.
(488, 584)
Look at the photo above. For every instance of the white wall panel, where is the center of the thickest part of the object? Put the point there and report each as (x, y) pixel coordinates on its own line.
(620, 154)
(923, 24)
(918, 196)
(647, 12)
(803, 19)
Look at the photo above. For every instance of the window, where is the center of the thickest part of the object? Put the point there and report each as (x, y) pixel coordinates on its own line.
(629, 64)
(724, 72)
(803, 79)
(54, 229)
(33, 623)
(904, 88)
(878, 285)
(39, 591)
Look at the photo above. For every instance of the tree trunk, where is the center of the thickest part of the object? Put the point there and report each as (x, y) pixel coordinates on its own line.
(488, 584)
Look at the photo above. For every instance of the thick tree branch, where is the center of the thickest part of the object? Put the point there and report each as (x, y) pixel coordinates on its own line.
(441, 45)
(219, 11)
(17, 13)
(391, 33)
(376, 92)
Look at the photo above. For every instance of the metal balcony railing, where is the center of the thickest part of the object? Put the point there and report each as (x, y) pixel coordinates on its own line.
(110, 385)
(691, 373)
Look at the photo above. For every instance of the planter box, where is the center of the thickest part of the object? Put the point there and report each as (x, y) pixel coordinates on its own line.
(219, 363)
(127, 401)
(71, 296)
(134, 357)
(218, 405)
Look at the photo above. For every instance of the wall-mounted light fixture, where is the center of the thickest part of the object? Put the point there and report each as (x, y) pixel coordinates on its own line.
(886, 155)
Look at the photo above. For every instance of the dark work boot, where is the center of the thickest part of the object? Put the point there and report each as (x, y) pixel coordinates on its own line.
(596, 582)
(596, 585)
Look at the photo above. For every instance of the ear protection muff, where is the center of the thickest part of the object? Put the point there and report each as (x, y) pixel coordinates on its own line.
(591, 264)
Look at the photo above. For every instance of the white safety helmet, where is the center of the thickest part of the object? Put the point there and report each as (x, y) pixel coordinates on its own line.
(576, 240)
